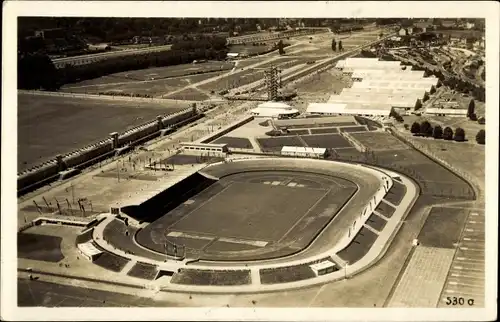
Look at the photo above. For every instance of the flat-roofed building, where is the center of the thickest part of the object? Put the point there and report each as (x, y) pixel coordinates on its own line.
(324, 267)
(396, 100)
(351, 109)
(428, 86)
(275, 110)
(401, 77)
(454, 112)
(418, 93)
(204, 147)
(364, 74)
(349, 65)
(89, 251)
(305, 152)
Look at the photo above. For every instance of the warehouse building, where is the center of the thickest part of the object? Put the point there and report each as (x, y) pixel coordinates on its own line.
(401, 77)
(417, 93)
(374, 74)
(349, 65)
(427, 84)
(395, 100)
(351, 109)
(275, 110)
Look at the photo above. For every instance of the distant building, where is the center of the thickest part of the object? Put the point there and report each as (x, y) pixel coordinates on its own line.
(402, 32)
(230, 56)
(453, 112)
(470, 25)
(50, 33)
(449, 23)
(99, 47)
(306, 152)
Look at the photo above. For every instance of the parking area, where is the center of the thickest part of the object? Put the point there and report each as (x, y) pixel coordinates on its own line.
(466, 278)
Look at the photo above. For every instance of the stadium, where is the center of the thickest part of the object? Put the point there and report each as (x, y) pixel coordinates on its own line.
(252, 224)
(202, 178)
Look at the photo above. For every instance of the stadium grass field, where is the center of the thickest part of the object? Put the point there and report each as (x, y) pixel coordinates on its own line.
(226, 221)
(50, 125)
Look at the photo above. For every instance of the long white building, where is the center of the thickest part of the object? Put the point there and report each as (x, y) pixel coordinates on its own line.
(371, 74)
(379, 87)
(349, 65)
(453, 112)
(427, 85)
(417, 93)
(351, 109)
(406, 101)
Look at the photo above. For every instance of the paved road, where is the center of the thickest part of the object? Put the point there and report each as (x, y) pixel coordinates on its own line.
(42, 293)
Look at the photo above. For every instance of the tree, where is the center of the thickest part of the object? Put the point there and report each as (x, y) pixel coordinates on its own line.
(334, 45)
(481, 137)
(341, 48)
(471, 108)
(280, 47)
(415, 128)
(459, 135)
(425, 128)
(36, 71)
(438, 132)
(448, 133)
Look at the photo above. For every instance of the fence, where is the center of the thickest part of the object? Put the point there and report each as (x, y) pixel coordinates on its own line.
(423, 149)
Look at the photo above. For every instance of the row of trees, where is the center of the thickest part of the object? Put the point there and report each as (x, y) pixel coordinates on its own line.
(427, 130)
(334, 45)
(36, 71)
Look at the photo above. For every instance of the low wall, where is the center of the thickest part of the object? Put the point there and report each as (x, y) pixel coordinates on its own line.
(357, 224)
(214, 136)
(47, 172)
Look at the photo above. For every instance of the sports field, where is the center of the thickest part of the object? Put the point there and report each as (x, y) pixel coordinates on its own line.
(379, 141)
(50, 125)
(154, 88)
(254, 213)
